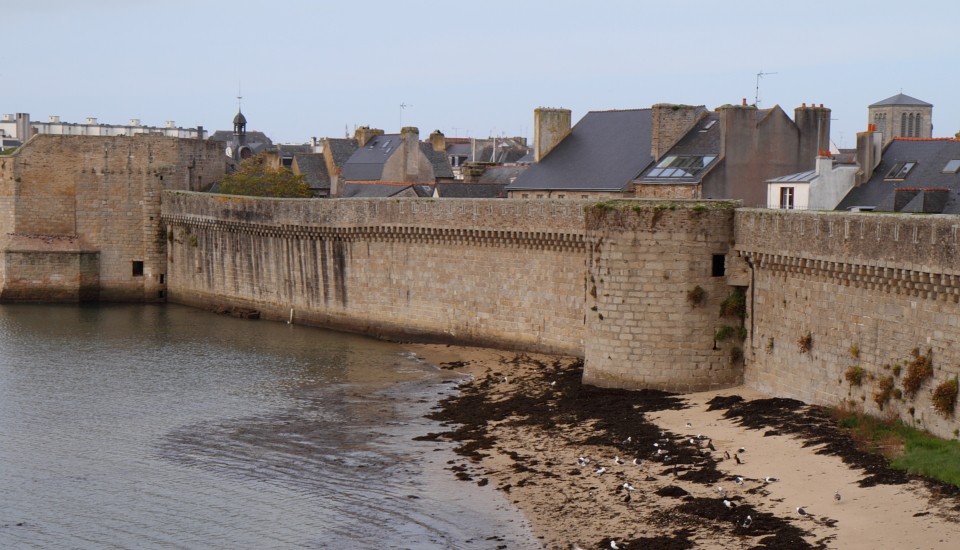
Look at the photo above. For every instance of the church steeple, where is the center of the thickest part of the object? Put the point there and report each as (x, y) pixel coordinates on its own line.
(240, 128)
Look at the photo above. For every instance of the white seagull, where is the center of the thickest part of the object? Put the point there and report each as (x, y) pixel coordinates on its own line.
(803, 512)
(738, 480)
(628, 487)
(617, 460)
(769, 479)
(747, 522)
(599, 471)
(583, 461)
(722, 491)
(728, 504)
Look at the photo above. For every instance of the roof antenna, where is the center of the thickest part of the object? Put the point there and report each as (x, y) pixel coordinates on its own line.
(402, 107)
(756, 99)
(239, 98)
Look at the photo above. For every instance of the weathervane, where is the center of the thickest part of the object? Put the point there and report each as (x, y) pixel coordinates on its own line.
(402, 107)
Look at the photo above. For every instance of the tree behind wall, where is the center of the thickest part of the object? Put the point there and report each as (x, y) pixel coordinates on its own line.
(254, 177)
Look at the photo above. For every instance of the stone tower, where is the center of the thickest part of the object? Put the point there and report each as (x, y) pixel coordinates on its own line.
(901, 116)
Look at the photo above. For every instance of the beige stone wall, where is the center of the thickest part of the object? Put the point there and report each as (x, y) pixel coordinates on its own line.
(868, 289)
(645, 329)
(666, 191)
(103, 194)
(490, 272)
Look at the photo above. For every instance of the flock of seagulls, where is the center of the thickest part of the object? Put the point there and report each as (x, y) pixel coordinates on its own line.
(661, 453)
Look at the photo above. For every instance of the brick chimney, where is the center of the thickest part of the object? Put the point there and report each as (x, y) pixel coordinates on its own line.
(669, 123)
(438, 141)
(550, 126)
(364, 134)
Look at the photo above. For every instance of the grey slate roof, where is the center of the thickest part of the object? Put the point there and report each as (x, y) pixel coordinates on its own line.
(901, 99)
(439, 161)
(501, 174)
(341, 149)
(931, 155)
(366, 163)
(799, 177)
(252, 137)
(471, 190)
(384, 190)
(604, 151)
(371, 190)
(314, 170)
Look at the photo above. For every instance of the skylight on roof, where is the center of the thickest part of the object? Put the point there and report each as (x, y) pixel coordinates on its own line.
(952, 167)
(709, 125)
(681, 166)
(900, 170)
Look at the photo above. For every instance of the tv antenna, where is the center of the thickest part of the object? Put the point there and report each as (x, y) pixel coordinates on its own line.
(402, 107)
(756, 99)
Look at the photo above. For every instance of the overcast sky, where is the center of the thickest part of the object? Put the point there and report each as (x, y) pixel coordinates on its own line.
(317, 68)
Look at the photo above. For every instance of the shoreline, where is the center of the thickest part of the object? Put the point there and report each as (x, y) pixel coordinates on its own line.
(522, 421)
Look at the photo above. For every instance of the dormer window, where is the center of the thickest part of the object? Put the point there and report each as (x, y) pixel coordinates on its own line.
(900, 170)
(952, 167)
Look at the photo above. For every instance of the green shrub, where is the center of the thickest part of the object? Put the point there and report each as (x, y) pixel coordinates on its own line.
(723, 332)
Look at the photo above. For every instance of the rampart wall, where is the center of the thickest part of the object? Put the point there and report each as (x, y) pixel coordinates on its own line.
(80, 215)
(486, 272)
(659, 272)
(870, 291)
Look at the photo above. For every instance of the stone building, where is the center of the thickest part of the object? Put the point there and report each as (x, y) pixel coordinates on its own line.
(901, 116)
(394, 163)
(79, 215)
(671, 152)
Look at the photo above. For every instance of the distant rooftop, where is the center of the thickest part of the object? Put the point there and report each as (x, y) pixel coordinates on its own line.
(901, 99)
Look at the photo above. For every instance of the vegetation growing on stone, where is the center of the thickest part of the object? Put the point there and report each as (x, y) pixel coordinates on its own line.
(805, 342)
(696, 296)
(919, 369)
(945, 397)
(735, 305)
(884, 390)
(255, 178)
(854, 375)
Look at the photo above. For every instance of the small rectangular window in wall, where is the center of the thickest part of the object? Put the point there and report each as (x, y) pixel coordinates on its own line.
(137, 268)
(786, 198)
(718, 268)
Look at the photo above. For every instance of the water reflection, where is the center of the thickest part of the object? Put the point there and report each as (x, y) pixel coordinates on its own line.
(164, 426)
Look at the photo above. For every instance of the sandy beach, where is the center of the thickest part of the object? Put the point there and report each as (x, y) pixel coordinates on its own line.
(724, 469)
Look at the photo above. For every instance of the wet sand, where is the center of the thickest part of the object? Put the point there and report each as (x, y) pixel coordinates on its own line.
(522, 422)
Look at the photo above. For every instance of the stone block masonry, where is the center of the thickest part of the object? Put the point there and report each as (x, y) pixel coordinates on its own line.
(657, 280)
(870, 290)
(80, 215)
(508, 274)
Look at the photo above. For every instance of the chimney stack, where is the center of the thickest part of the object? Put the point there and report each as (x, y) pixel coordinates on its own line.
(410, 141)
(550, 126)
(669, 123)
(438, 141)
(364, 134)
(869, 146)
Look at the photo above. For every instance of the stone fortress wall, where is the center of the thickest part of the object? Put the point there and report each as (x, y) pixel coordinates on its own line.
(867, 291)
(80, 216)
(507, 274)
(636, 287)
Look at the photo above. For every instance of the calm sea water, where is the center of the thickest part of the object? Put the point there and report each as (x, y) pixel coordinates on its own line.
(130, 426)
